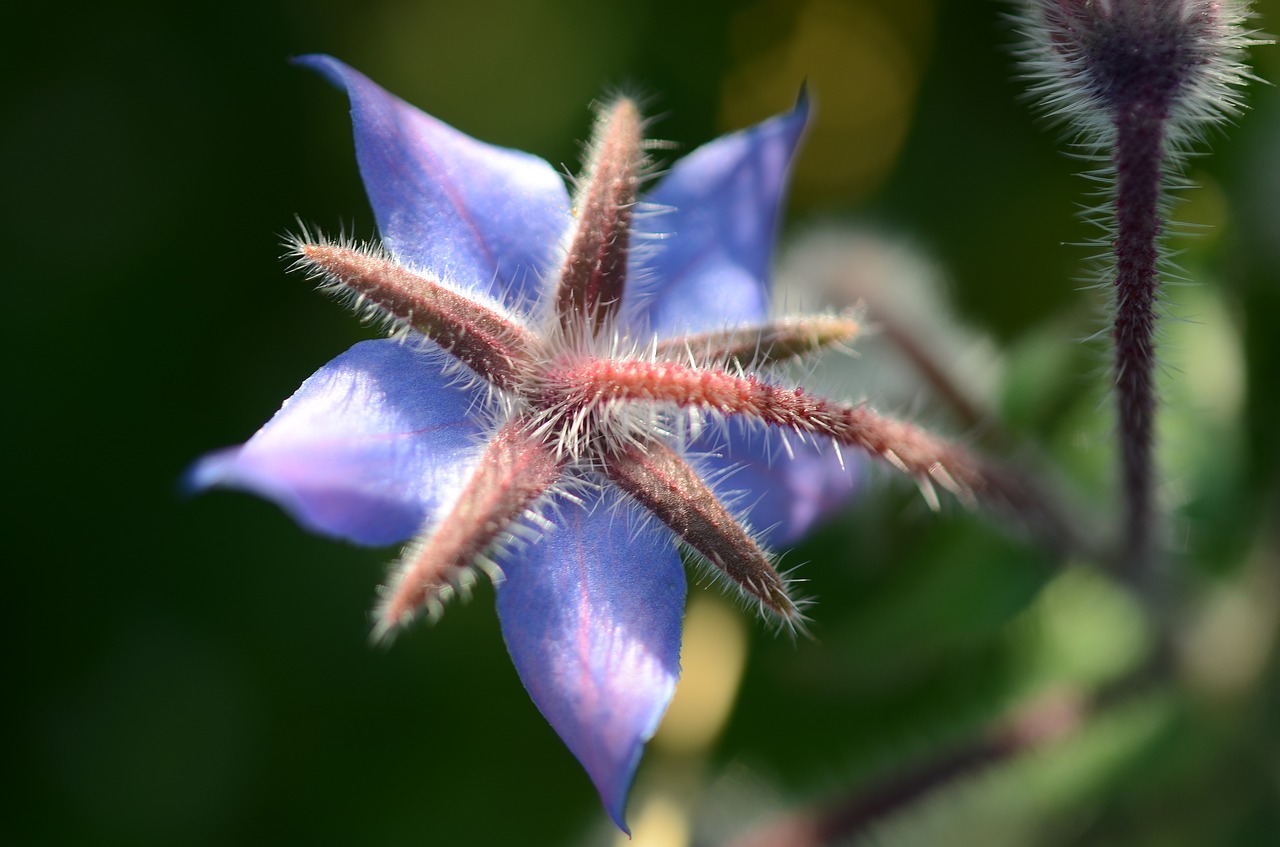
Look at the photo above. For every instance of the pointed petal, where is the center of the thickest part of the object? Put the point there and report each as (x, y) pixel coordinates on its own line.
(481, 216)
(592, 617)
(367, 449)
(724, 201)
(783, 494)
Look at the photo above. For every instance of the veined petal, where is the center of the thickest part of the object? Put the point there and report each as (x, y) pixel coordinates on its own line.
(367, 449)
(784, 494)
(717, 212)
(591, 614)
(486, 217)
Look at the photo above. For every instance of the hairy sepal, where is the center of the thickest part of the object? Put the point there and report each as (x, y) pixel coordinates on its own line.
(594, 271)
(606, 383)
(514, 472)
(754, 347)
(486, 338)
(664, 483)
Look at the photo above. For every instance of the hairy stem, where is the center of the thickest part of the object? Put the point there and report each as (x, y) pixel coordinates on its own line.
(1138, 156)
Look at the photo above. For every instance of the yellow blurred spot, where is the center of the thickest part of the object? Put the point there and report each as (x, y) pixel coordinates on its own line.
(863, 61)
(712, 658)
(1228, 645)
(711, 663)
(660, 822)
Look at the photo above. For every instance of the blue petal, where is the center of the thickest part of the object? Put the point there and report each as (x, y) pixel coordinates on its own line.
(716, 218)
(485, 217)
(367, 449)
(592, 616)
(783, 494)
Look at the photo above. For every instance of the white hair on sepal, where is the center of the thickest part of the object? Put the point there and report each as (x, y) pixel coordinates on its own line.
(528, 529)
(602, 105)
(295, 246)
(639, 520)
(620, 422)
(621, 507)
(778, 442)
(361, 304)
(435, 599)
(797, 625)
(734, 501)
(794, 624)
(398, 328)
(526, 300)
(573, 490)
(433, 604)
(395, 328)
(641, 171)
(642, 280)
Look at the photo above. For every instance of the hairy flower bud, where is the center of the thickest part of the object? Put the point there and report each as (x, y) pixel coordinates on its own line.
(1139, 81)
(1178, 61)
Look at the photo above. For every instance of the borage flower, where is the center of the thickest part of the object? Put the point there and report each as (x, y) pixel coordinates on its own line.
(567, 385)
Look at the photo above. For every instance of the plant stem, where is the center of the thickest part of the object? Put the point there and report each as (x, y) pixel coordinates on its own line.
(1137, 158)
(1050, 718)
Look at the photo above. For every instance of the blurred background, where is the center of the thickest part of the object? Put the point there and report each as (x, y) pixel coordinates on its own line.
(197, 672)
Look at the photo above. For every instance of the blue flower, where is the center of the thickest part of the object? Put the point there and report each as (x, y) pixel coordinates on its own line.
(565, 375)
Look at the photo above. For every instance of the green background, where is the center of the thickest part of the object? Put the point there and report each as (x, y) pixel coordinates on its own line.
(196, 671)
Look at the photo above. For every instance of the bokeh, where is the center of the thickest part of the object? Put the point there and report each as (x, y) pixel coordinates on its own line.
(198, 672)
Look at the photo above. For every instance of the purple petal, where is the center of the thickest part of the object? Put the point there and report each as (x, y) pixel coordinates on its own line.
(485, 217)
(718, 211)
(784, 495)
(367, 449)
(592, 617)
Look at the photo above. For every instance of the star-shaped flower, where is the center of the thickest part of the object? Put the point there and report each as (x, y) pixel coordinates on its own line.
(572, 388)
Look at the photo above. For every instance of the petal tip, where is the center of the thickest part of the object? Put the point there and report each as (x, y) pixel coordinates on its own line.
(616, 788)
(209, 471)
(319, 62)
